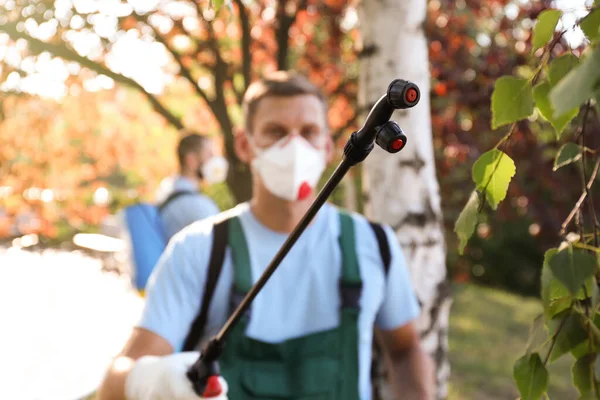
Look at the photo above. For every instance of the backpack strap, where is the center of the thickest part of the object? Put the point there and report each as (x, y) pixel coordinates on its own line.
(240, 257)
(384, 246)
(217, 256)
(350, 282)
(172, 197)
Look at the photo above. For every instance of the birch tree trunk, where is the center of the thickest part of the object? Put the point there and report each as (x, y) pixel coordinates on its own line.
(402, 189)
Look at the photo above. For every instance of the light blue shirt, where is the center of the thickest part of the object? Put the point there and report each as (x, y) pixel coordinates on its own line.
(300, 298)
(187, 208)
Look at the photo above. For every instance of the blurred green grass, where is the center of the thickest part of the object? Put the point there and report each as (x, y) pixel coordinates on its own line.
(488, 333)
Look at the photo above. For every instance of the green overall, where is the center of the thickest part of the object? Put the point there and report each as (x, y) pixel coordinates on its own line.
(320, 366)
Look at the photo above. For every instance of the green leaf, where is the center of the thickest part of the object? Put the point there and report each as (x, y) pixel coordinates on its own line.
(581, 349)
(492, 173)
(572, 267)
(531, 377)
(597, 366)
(582, 374)
(467, 220)
(596, 331)
(571, 335)
(544, 28)
(512, 100)
(590, 25)
(541, 95)
(588, 396)
(555, 296)
(567, 154)
(560, 67)
(577, 86)
(547, 277)
(537, 334)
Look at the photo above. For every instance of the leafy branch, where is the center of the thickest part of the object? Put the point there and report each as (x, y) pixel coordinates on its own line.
(558, 88)
(579, 202)
(184, 71)
(554, 337)
(63, 51)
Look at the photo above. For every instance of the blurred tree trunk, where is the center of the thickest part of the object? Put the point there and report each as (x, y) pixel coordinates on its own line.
(402, 189)
(350, 192)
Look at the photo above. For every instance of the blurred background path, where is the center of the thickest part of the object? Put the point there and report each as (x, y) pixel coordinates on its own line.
(62, 321)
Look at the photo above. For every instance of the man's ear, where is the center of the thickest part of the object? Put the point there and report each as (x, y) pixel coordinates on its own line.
(242, 145)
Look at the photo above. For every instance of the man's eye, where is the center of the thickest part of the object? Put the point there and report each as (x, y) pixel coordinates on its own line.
(310, 132)
(276, 132)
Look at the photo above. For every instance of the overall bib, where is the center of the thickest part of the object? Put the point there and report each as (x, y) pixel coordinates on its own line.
(319, 366)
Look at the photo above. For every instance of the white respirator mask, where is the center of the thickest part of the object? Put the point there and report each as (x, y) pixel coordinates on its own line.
(215, 170)
(290, 168)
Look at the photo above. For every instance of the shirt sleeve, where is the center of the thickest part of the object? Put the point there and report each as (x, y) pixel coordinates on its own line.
(174, 289)
(400, 305)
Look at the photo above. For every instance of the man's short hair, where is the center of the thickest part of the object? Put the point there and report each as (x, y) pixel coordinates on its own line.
(278, 83)
(190, 142)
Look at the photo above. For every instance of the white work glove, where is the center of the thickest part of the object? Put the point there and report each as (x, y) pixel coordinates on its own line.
(164, 378)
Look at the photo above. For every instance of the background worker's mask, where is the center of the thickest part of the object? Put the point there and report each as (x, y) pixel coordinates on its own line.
(290, 168)
(214, 170)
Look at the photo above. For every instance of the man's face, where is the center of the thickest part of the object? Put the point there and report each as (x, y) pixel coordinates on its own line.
(277, 117)
(206, 152)
(195, 160)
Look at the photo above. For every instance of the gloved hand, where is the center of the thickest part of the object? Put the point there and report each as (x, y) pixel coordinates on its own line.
(164, 378)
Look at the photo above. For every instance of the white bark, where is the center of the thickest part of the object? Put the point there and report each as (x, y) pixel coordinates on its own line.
(402, 189)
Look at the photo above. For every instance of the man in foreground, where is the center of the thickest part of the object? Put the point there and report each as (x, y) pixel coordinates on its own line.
(309, 331)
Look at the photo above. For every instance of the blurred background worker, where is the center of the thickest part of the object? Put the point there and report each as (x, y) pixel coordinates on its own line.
(179, 202)
(179, 196)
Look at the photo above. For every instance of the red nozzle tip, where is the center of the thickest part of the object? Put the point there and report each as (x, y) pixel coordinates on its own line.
(304, 190)
(213, 387)
(411, 95)
(397, 145)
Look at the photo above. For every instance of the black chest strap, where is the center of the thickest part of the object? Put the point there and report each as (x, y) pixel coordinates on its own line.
(217, 256)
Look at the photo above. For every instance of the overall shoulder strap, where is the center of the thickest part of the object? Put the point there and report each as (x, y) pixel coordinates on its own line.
(217, 256)
(350, 268)
(384, 247)
(240, 256)
(172, 197)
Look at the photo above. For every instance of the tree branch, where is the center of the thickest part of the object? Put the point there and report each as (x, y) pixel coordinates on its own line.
(220, 75)
(185, 72)
(590, 201)
(246, 43)
(581, 198)
(282, 35)
(282, 32)
(555, 335)
(221, 66)
(62, 51)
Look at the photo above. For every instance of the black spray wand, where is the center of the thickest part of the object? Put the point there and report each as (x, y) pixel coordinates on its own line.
(377, 128)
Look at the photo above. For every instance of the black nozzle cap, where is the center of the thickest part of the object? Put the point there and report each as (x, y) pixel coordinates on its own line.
(206, 366)
(403, 94)
(199, 373)
(390, 137)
